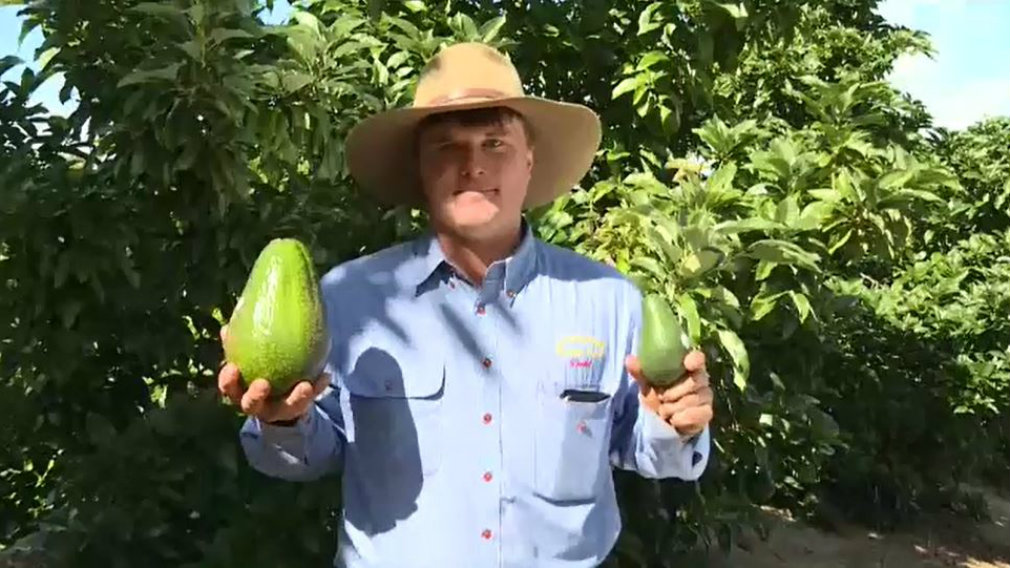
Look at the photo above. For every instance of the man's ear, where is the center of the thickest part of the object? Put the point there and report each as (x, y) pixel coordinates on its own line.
(529, 159)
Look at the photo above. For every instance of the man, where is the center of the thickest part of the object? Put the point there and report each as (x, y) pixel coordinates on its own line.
(481, 383)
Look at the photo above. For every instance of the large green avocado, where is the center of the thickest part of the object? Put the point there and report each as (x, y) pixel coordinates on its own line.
(278, 329)
(662, 345)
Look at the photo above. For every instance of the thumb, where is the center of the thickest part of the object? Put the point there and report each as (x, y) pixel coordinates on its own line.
(634, 367)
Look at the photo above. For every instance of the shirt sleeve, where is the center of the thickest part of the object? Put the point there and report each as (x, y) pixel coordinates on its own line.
(309, 449)
(642, 441)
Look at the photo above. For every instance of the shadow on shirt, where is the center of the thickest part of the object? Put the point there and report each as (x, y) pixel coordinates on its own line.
(391, 452)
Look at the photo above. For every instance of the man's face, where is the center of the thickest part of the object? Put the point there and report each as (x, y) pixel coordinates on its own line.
(475, 174)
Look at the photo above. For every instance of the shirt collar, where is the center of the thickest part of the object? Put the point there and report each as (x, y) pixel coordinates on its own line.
(518, 268)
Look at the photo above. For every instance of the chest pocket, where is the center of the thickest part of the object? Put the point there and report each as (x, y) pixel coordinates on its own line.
(393, 416)
(573, 426)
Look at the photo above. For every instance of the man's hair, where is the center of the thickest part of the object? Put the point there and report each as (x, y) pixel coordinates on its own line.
(485, 116)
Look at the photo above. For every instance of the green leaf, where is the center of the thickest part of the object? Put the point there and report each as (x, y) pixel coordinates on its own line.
(802, 304)
(162, 10)
(295, 81)
(221, 35)
(8, 62)
(907, 195)
(704, 260)
(626, 85)
(762, 304)
(814, 215)
(741, 360)
(46, 56)
(764, 270)
(397, 59)
(307, 20)
(735, 11)
(689, 309)
(491, 28)
(747, 225)
(651, 58)
(788, 211)
(663, 242)
(166, 74)
(191, 48)
(465, 26)
(839, 242)
(645, 21)
(670, 119)
(721, 180)
(895, 179)
(375, 8)
(650, 265)
(783, 252)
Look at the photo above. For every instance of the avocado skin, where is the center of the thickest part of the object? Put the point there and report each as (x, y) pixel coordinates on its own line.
(662, 346)
(277, 330)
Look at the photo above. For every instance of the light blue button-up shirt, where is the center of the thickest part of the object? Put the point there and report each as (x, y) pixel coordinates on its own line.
(451, 414)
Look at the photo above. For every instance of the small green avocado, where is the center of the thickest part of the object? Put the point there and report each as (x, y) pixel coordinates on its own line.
(277, 331)
(662, 346)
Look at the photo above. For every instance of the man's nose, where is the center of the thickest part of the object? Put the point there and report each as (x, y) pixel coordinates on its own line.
(472, 165)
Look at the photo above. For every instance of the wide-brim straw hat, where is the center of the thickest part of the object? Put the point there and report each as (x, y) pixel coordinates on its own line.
(380, 149)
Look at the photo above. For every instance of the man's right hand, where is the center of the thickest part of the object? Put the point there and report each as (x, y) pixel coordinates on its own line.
(256, 401)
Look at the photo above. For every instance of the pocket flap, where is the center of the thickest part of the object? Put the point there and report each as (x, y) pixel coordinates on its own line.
(378, 374)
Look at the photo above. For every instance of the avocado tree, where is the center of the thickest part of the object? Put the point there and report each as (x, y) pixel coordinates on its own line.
(756, 172)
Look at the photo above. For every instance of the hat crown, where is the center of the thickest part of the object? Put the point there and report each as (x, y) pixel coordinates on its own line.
(467, 71)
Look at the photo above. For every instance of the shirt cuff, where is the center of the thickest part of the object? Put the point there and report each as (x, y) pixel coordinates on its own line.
(283, 436)
(689, 452)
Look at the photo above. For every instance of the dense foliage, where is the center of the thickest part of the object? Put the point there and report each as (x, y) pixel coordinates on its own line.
(845, 273)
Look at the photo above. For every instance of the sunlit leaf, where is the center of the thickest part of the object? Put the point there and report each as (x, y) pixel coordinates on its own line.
(738, 352)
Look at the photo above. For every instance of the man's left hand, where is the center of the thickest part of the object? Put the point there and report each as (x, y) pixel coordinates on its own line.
(686, 404)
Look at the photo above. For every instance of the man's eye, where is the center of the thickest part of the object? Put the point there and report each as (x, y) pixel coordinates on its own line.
(494, 143)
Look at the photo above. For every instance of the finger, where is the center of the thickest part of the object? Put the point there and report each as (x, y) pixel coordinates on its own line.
(292, 405)
(694, 362)
(255, 396)
(299, 397)
(685, 402)
(693, 419)
(320, 385)
(229, 383)
(634, 367)
(701, 398)
(679, 390)
(666, 411)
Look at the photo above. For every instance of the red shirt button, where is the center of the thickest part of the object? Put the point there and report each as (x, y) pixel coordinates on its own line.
(487, 418)
(486, 362)
(486, 534)
(487, 476)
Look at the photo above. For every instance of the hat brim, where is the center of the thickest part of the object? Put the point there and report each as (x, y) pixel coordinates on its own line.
(380, 149)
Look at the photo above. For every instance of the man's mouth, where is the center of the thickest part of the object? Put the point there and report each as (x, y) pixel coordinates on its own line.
(491, 191)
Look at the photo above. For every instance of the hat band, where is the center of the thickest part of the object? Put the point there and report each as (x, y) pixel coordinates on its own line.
(467, 94)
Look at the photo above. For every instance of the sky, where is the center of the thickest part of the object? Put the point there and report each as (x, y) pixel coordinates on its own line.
(967, 79)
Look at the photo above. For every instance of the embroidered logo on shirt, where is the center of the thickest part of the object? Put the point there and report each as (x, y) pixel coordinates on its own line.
(580, 350)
